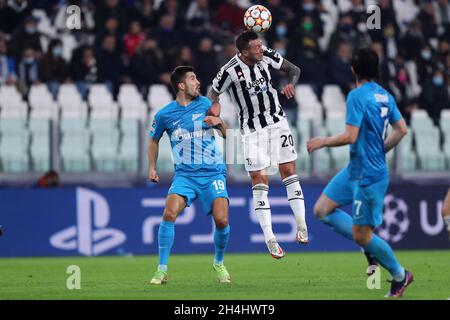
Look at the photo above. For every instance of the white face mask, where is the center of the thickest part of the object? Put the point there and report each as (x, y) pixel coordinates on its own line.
(28, 60)
(30, 29)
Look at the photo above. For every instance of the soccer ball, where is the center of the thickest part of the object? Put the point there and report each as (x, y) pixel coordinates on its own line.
(395, 219)
(257, 18)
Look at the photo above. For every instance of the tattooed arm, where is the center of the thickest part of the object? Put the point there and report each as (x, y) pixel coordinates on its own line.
(293, 73)
(215, 107)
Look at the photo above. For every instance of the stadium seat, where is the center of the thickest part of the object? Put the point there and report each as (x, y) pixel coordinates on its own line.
(333, 99)
(105, 150)
(40, 144)
(445, 121)
(71, 102)
(73, 125)
(420, 120)
(407, 154)
(102, 126)
(131, 102)
(14, 152)
(129, 145)
(165, 157)
(74, 151)
(102, 102)
(428, 149)
(301, 135)
(158, 96)
(42, 103)
(335, 123)
(12, 126)
(323, 163)
(308, 104)
(321, 157)
(11, 103)
(340, 157)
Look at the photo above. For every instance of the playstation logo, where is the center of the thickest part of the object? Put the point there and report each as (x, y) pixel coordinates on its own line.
(90, 236)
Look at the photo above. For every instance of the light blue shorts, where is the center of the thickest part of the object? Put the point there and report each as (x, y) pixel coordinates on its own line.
(206, 189)
(367, 201)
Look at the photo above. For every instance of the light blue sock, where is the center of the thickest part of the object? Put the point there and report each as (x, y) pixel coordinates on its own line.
(340, 222)
(166, 235)
(221, 237)
(382, 251)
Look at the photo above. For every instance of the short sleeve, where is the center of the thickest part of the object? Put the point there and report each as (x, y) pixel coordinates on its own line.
(355, 112)
(222, 81)
(158, 127)
(395, 114)
(272, 58)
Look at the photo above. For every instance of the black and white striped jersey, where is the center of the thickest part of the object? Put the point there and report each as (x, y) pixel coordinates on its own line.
(251, 90)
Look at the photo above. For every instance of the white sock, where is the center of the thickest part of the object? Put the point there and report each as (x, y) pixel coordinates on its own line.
(447, 222)
(162, 267)
(296, 199)
(262, 210)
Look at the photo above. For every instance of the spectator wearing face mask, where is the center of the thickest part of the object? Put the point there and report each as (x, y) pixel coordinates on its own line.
(26, 37)
(435, 96)
(53, 67)
(425, 63)
(28, 70)
(278, 32)
(7, 65)
(312, 9)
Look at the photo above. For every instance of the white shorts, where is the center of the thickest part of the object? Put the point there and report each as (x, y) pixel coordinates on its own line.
(269, 146)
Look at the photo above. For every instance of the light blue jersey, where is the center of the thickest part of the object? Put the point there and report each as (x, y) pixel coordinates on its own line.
(370, 108)
(194, 148)
(364, 182)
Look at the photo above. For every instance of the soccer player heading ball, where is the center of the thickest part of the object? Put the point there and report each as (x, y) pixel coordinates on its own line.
(363, 183)
(266, 136)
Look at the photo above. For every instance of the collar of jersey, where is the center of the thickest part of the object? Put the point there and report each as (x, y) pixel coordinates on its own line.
(189, 105)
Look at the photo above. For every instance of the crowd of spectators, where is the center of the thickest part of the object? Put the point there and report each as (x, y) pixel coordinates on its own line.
(140, 41)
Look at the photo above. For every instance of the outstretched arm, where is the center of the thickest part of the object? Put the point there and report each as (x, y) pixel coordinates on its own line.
(399, 131)
(293, 73)
(215, 107)
(348, 137)
(153, 147)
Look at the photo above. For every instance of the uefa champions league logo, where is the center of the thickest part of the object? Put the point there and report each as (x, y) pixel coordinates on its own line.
(395, 219)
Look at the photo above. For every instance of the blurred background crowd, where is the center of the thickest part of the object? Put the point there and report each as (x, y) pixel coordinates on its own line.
(140, 42)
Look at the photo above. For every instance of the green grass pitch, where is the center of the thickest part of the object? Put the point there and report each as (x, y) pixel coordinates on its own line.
(254, 276)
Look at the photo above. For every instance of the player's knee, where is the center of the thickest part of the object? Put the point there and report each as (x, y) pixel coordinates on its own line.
(361, 238)
(169, 214)
(221, 223)
(287, 171)
(319, 211)
(259, 178)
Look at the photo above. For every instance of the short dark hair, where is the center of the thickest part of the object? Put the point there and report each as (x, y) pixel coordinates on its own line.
(178, 75)
(365, 63)
(244, 38)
